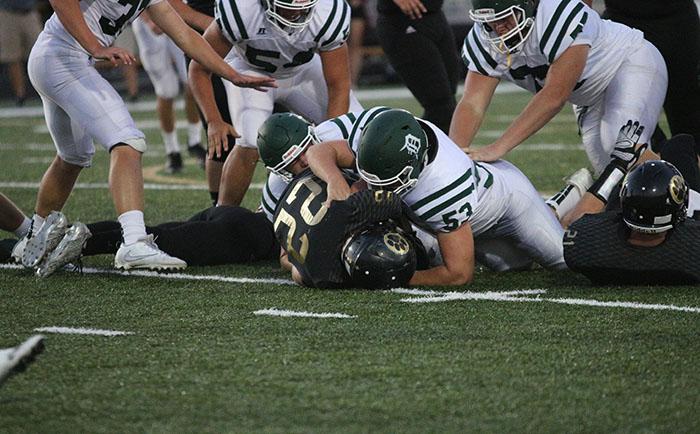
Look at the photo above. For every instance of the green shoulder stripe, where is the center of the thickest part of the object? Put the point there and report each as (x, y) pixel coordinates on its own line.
(239, 20)
(426, 200)
(472, 54)
(364, 118)
(223, 23)
(340, 25)
(492, 63)
(351, 116)
(449, 202)
(552, 23)
(340, 125)
(564, 31)
(328, 22)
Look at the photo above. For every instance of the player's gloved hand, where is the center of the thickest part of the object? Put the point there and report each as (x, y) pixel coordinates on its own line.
(115, 55)
(217, 136)
(256, 82)
(627, 150)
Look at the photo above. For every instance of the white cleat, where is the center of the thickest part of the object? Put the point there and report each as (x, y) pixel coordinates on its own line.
(68, 250)
(581, 179)
(18, 250)
(45, 239)
(15, 360)
(145, 254)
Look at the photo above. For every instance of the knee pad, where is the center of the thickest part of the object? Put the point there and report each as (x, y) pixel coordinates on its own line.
(138, 144)
(77, 160)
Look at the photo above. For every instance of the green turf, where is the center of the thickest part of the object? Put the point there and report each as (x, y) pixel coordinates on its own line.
(200, 360)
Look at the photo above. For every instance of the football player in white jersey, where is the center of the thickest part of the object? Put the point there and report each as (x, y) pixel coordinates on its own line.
(302, 45)
(560, 50)
(165, 64)
(488, 212)
(80, 106)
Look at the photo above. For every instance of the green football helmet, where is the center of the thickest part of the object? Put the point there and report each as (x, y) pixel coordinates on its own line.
(393, 150)
(289, 14)
(487, 12)
(282, 138)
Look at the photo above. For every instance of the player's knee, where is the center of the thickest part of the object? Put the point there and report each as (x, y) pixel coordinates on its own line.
(70, 161)
(137, 144)
(168, 89)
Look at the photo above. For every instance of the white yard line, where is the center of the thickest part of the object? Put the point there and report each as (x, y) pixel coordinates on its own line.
(362, 94)
(104, 185)
(301, 314)
(81, 331)
(172, 276)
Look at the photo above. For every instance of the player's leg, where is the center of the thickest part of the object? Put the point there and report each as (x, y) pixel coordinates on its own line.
(636, 93)
(215, 164)
(249, 109)
(589, 119)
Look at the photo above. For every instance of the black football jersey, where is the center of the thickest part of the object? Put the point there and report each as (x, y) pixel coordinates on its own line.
(204, 6)
(596, 246)
(313, 235)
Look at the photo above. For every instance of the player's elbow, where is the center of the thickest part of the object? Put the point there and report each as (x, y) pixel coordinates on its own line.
(460, 276)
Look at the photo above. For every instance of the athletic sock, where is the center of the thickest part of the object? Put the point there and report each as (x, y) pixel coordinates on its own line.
(194, 133)
(23, 229)
(133, 227)
(565, 200)
(170, 141)
(37, 222)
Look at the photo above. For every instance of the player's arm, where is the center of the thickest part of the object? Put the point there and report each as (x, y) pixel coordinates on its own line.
(284, 260)
(199, 50)
(68, 11)
(336, 71)
(201, 86)
(471, 109)
(325, 160)
(561, 79)
(196, 20)
(457, 250)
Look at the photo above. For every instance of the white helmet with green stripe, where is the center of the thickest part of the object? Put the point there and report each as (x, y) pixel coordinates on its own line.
(488, 12)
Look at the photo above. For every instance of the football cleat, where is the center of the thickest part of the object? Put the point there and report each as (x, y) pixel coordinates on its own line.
(581, 179)
(174, 164)
(145, 254)
(199, 153)
(68, 250)
(15, 360)
(45, 239)
(18, 249)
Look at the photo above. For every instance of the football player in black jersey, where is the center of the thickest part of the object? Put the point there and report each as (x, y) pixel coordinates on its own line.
(648, 241)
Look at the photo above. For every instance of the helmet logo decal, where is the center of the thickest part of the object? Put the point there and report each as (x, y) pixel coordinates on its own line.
(396, 243)
(677, 189)
(411, 144)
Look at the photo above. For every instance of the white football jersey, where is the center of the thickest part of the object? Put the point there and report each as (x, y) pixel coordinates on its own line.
(559, 24)
(105, 18)
(265, 47)
(273, 190)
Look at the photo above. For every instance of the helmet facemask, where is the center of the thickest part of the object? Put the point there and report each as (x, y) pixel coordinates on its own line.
(511, 41)
(279, 13)
(292, 154)
(400, 183)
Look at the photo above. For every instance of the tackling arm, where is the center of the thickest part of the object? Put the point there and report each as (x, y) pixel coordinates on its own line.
(196, 20)
(457, 249)
(325, 160)
(336, 70)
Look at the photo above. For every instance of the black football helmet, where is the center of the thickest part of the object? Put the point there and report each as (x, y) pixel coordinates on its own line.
(379, 257)
(654, 197)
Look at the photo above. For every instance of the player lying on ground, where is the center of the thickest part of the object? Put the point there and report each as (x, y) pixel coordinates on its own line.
(647, 240)
(217, 235)
(80, 107)
(450, 194)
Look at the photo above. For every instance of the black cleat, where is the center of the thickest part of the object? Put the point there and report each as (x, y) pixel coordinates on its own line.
(198, 152)
(174, 163)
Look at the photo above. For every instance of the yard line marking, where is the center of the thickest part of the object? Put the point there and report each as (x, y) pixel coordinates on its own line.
(172, 276)
(409, 291)
(302, 314)
(488, 295)
(363, 95)
(102, 185)
(517, 296)
(81, 331)
(625, 304)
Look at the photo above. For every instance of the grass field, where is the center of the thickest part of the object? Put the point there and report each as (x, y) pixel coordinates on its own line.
(533, 351)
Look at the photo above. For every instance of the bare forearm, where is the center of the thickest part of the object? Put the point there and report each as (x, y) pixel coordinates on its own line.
(338, 99)
(323, 162)
(201, 86)
(539, 111)
(441, 276)
(196, 20)
(68, 11)
(465, 124)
